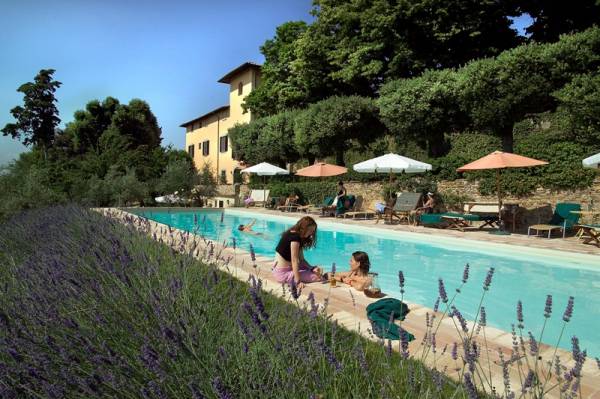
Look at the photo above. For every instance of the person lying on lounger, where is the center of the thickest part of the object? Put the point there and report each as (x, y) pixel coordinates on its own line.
(358, 276)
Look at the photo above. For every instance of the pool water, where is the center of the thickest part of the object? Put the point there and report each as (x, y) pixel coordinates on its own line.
(519, 274)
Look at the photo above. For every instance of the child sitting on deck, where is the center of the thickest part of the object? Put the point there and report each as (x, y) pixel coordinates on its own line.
(358, 276)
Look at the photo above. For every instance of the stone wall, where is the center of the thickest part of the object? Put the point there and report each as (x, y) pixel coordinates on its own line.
(534, 208)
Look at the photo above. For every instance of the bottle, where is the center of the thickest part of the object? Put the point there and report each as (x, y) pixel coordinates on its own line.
(332, 280)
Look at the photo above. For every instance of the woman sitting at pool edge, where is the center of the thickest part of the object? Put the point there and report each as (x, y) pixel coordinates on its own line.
(358, 276)
(290, 262)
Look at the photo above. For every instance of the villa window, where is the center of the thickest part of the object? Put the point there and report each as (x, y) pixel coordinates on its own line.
(223, 143)
(191, 150)
(223, 177)
(240, 88)
(199, 146)
(205, 149)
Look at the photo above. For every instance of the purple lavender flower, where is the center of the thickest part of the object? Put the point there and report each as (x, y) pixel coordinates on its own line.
(454, 352)
(234, 242)
(252, 253)
(404, 344)
(333, 268)
(195, 219)
(463, 323)
(488, 279)
(401, 280)
(483, 317)
(294, 289)
(548, 306)
(329, 355)
(436, 305)
(313, 306)
(222, 216)
(442, 291)
(533, 345)
(528, 381)
(196, 394)
(471, 391)
(465, 276)
(220, 389)
(598, 362)
(569, 310)
(520, 314)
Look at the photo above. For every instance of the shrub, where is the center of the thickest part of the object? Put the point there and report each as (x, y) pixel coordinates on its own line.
(116, 314)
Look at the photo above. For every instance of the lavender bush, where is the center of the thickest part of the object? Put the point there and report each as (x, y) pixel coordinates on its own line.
(92, 308)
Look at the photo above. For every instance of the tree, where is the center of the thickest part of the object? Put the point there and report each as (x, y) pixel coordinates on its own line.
(579, 102)
(279, 88)
(554, 18)
(37, 120)
(206, 184)
(328, 127)
(423, 109)
(136, 121)
(497, 93)
(89, 124)
(179, 176)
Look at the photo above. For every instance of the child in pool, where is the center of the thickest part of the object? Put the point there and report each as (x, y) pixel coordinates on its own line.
(358, 276)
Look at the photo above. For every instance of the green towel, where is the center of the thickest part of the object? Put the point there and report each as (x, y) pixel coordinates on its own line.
(381, 312)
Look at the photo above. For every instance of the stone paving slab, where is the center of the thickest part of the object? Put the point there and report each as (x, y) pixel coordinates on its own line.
(350, 312)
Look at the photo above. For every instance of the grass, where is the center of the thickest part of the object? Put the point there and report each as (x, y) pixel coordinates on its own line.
(92, 308)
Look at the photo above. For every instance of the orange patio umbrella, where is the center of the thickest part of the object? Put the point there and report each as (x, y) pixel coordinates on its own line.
(321, 169)
(500, 160)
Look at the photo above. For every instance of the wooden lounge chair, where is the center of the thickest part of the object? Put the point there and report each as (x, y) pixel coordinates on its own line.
(404, 205)
(589, 233)
(312, 208)
(487, 212)
(359, 210)
(563, 219)
(344, 204)
(448, 220)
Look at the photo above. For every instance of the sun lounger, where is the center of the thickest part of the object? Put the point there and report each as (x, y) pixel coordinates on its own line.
(359, 210)
(448, 220)
(405, 203)
(312, 208)
(259, 197)
(487, 212)
(589, 233)
(340, 207)
(563, 219)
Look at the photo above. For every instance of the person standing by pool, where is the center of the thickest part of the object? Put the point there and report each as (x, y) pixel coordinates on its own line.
(290, 262)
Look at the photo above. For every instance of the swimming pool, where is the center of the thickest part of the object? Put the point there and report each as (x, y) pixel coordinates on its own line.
(521, 273)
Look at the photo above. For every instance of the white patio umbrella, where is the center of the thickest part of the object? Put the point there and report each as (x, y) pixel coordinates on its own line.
(592, 162)
(392, 163)
(265, 169)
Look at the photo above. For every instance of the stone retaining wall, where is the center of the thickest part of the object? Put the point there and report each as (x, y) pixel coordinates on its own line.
(535, 208)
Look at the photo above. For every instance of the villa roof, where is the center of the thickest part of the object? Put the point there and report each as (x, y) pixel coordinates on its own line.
(230, 74)
(214, 111)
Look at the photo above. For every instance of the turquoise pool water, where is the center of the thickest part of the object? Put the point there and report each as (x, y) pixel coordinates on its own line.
(521, 273)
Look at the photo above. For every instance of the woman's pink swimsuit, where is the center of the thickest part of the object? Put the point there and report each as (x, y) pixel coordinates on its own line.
(286, 275)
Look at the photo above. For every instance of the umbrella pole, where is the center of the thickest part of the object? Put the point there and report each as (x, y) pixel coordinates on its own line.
(264, 191)
(499, 199)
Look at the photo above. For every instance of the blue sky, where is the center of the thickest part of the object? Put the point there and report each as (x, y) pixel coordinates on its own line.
(168, 53)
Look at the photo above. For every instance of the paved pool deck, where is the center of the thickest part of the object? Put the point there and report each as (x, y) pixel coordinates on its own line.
(348, 307)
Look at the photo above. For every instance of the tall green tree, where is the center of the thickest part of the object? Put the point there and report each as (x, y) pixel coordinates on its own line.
(37, 120)
(328, 127)
(423, 109)
(89, 124)
(499, 92)
(280, 87)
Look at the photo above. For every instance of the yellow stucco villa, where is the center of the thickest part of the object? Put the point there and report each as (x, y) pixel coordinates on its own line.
(207, 138)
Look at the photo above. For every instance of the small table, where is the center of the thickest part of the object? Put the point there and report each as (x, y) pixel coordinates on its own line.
(543, 227)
